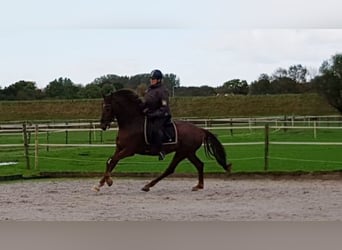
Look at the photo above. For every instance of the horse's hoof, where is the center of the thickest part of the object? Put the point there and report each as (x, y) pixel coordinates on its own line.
(229, 167)
(96, 188)
(146, 189)
(109, 182)
(196, 188)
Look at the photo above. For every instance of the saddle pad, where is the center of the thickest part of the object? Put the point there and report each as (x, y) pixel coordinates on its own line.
(170, 135)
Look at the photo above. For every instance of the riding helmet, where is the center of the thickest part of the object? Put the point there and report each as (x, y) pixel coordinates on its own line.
(156, 74)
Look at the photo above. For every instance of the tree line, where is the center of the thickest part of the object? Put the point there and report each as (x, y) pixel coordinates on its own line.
(65, 88)
(294, 80)
(282, 81)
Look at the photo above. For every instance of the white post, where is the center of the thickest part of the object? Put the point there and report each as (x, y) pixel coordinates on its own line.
(94, 132)
(36, 148)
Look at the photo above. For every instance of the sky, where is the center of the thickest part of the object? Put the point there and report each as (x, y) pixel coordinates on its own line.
(202, 42)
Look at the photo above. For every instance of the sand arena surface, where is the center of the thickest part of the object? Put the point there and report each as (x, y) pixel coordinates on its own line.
(172, 200)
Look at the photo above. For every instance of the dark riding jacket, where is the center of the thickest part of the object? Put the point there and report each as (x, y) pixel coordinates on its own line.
(157, 102)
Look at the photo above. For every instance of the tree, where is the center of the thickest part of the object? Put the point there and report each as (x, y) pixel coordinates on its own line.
(262, 86)
(329, 83)
(298, 73)
(279, 73)
(90, 91)
(136, 80)
(171, 81)
(285, 85)
(110, 83)
(289, 81)
(22, 90)
(236, 87)
(62, 88)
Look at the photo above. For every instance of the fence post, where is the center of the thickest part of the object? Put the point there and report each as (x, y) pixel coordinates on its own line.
(285, 123)
(47, 137)
(26, 146)
(315, 129)
(267, 143)
(94, 131)
(90, 127)
(66, 133)
(36, 148)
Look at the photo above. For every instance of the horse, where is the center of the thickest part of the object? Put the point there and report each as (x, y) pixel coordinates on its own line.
(125, 106)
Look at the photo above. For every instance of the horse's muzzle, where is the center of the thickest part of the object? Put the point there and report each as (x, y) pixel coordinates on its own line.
(104, 126)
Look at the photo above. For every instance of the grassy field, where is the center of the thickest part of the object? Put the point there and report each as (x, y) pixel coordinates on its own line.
(205, 107)
(245, 158)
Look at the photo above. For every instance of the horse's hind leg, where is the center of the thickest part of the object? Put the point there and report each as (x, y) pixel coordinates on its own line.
(170, 169)
(199, 165)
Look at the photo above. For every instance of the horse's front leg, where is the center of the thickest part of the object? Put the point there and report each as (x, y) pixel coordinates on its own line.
(110, 165)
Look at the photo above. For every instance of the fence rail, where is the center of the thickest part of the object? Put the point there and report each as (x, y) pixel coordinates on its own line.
(265, 124)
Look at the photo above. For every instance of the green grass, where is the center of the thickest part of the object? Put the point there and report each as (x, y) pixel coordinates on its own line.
(245, 158)
(305, 158)
(231, 106)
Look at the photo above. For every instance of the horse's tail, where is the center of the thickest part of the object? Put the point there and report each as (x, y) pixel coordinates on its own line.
(213, 147)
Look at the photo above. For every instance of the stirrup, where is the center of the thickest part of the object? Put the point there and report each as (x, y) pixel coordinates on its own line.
(161, 156)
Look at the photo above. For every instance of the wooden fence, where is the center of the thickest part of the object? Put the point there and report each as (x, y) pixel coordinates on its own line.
(230, 124)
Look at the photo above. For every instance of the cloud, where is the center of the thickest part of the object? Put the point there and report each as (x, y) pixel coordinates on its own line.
(203, 42)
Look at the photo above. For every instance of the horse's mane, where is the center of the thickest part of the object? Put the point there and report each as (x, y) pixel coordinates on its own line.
(128, 94)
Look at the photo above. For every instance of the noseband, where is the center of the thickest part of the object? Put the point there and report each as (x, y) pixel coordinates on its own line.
(107, 106)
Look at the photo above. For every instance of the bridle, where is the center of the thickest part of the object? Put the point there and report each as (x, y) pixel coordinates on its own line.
(108, 106)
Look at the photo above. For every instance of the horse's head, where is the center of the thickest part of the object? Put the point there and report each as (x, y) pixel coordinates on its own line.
(107, 112)
(124, 105)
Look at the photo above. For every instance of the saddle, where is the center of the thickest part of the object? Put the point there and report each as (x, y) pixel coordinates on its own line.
(169, 130)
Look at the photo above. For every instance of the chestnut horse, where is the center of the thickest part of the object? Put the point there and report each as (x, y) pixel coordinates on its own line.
(125, 106)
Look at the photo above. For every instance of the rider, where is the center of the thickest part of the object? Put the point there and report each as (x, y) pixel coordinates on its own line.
(157, 110)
